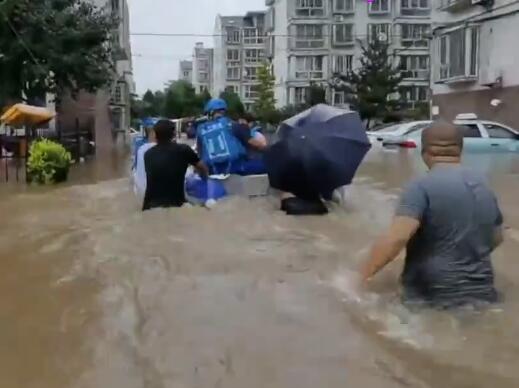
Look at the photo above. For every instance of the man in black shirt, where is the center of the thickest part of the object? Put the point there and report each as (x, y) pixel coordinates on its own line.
(166, 166)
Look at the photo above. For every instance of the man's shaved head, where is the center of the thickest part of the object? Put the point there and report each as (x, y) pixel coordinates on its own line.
(442, 139)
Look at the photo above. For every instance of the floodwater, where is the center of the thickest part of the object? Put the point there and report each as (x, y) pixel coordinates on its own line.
(94, 293)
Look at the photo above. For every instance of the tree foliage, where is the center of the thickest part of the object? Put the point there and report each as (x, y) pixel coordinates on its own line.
(265, 105)
(316, 94)
(51, 46)
(234, 104)
(372, 88)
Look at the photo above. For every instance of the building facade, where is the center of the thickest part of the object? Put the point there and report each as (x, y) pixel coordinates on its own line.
(475, 59)
(202, 78)
(311, 40)
(185, 72)
(239, 51)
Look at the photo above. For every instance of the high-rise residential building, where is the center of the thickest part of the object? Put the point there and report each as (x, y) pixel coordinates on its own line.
(239, 51)
(310, 40)
(185, 71)
(475, 61)
(202, 68)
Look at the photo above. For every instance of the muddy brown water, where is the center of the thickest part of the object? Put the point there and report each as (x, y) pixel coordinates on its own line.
(94, 293)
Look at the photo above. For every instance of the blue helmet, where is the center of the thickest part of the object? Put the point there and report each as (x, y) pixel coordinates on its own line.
(214, 105)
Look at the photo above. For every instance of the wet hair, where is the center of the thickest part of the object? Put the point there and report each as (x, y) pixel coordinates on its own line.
(164, 131)
(248, 117)
(442, 139)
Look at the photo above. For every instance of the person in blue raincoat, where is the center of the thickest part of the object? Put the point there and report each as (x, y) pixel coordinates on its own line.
(223, 144)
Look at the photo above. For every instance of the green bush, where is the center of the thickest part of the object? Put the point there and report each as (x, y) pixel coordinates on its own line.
(49, 162)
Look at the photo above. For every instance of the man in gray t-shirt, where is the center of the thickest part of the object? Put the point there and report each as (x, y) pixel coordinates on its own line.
(450, 222)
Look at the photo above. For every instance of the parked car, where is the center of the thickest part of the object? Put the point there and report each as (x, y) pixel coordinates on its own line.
(478, 135)
(396, 133)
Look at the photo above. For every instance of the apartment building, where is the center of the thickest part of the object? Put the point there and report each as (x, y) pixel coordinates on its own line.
(239, 50)
(185, 71)
(310, 40)
(475, 59)
(202, 68)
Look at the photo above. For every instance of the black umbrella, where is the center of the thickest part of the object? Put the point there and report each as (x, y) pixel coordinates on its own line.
(318, 151)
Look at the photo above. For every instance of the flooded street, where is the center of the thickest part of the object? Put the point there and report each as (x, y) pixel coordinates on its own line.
(94, 293)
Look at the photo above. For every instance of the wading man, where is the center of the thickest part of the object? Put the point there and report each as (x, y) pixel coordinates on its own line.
(450, 223)
(166, 165)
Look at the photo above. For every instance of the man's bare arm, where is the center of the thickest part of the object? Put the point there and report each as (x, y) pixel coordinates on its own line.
(258, 142)
(202, 169)
(498, 236)
(387, 247)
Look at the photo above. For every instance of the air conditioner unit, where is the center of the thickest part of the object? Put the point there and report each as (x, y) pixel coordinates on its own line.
(339, 18)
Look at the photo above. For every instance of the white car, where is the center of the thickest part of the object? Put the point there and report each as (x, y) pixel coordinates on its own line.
(394, 134)
(478, 135)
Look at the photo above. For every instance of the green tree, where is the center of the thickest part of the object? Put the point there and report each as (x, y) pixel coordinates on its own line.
(235, 106)
(181, 100)
(203, 98)
(316, 94)
(371, 89)
(265, 105)
(51, 46)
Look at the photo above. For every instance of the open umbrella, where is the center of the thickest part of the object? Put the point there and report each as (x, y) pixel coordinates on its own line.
(318, 151)
(21, 114)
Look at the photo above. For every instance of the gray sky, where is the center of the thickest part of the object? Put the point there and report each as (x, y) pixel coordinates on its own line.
(160, 55)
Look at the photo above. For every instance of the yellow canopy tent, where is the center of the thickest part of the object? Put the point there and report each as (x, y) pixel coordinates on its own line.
(21, 114)
(28, 116)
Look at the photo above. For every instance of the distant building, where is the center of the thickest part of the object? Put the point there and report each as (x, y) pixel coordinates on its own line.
(185, 72)
(202, 68)
(239, 51)
(475, 62)
(310, 40)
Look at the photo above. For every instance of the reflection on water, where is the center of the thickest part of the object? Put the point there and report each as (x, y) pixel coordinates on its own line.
(95, 293)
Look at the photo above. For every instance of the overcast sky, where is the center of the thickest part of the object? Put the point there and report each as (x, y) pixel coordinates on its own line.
(156, 59)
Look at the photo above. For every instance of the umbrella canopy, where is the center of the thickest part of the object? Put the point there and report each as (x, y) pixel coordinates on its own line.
(319, 150)
(21, 114)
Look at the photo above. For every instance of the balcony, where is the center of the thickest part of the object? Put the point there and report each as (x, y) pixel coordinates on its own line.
(415, 74)
(415, 8)
(454, 5)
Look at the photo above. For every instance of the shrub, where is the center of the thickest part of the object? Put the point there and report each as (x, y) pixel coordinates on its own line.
(49, 162)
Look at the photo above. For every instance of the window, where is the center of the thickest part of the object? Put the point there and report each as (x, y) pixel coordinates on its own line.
(309, 36)
(231, 89)
(252, 36)
(186, 74)
(470, 130)
(342, 63)
(250, 74)
(118, 94)
(203, 64)
(233, 35)
(254, 56)
(251, 92)
(233, 55)
(458, 53)
(309, 67)
(412, 94)
(379, 31)
(415, 35)
(414, 66)
(338, 98)
(415, 4)
(309, 7)
(343, 6)
(233, 73)
(499, 132)
(203, 76)
(380, 6)
(300, 95)
(343, 34)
